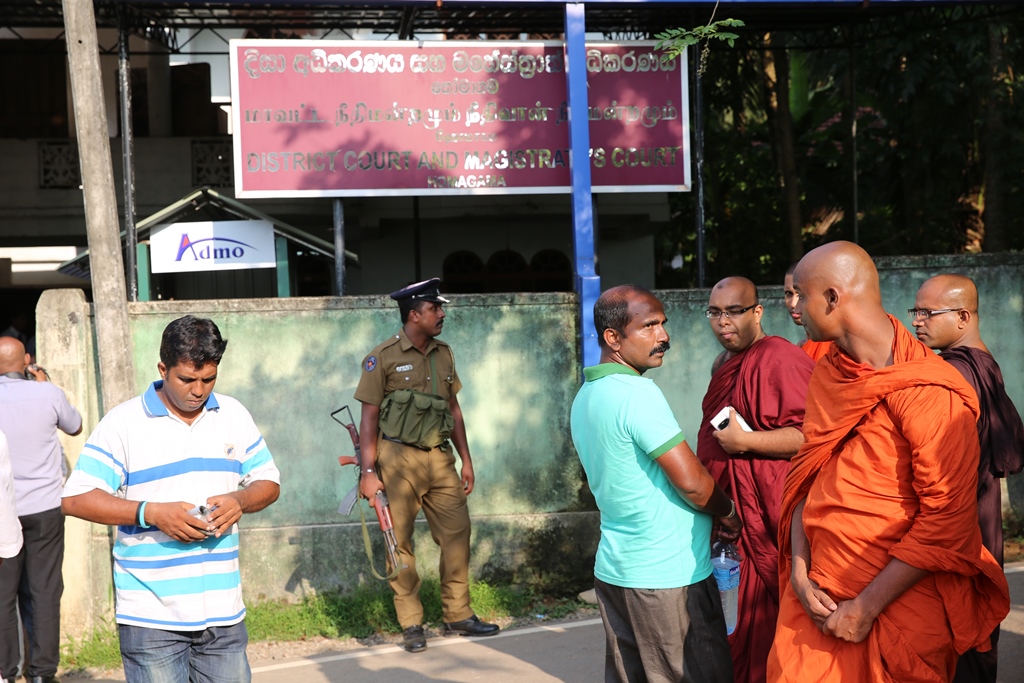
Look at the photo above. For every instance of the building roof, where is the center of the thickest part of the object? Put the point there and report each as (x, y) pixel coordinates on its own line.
(620, 19)
(198, 199)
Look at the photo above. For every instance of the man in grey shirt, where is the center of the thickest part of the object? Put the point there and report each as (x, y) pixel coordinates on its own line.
(31, 412)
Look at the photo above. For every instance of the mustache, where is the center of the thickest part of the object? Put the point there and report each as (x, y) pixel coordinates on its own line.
(661, 348)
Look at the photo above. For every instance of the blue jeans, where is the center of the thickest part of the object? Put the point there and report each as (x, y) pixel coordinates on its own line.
(216, 655)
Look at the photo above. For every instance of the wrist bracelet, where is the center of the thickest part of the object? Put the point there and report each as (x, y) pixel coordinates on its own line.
(368, 470)
(732, 511)
(142, 515)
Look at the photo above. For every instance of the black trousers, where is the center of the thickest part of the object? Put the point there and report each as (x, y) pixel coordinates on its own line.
(32, 583)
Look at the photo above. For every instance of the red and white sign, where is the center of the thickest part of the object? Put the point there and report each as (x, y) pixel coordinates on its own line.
(347, 118)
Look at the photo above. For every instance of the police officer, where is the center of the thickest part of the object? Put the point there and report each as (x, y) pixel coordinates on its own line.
(408, 388)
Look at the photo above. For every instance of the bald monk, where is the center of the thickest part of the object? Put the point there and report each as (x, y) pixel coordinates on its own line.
(814, 349)
(764, 379)
(884, 576)
(945, 317)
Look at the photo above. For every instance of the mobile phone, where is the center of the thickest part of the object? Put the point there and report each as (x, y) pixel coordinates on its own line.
(202, 512)
(721, 420)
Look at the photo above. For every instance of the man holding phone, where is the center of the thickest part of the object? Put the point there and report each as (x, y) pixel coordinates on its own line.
(753, 414)
(148, 464)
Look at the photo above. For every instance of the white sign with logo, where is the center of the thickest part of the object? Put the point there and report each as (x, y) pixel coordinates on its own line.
(213, 245)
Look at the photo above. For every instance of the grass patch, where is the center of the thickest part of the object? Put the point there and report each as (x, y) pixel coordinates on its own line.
(370, 609)
(101, 649)
(356, 614)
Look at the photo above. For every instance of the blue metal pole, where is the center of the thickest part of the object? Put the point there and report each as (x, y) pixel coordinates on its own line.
(588, 284)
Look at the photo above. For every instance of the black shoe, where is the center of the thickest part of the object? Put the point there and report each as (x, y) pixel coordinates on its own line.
(470, 627)
(413, 639)
(42, 679)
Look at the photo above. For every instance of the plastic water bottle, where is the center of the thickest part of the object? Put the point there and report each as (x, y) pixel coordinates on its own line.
(725, 561)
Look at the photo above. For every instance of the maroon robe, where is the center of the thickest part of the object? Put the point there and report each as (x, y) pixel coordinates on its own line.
(1001, 434)
(767, 385)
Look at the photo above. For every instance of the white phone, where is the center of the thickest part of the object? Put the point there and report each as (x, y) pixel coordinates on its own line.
(721, 421)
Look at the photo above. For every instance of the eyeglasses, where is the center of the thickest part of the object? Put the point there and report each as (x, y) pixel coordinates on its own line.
(924, 313)
(715, 314)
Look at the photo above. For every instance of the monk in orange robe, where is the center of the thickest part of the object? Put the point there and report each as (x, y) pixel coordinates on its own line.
(815, 349)
(883, 574)
(763, 379)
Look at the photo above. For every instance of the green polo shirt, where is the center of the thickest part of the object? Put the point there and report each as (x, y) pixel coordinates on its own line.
(650, 536)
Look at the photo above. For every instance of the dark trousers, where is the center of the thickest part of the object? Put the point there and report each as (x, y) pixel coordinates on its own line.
(978, 667)
(32, 583)
(671, 635)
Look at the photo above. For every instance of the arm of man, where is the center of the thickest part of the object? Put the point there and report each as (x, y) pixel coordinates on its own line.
(69, 420)
(852, 619)
(782, 443)
(816, 602)
(698, 488)
(462, 444)
(369, 483)
(102, 508)
(229, 507)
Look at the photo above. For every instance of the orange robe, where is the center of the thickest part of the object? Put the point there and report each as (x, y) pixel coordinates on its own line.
(888, 470)
(816, 350)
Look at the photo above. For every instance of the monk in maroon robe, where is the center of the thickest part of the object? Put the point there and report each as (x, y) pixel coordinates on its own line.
(763, 379)
(945, 317)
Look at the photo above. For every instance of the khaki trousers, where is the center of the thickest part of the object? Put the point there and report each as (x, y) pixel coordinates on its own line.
(415, 479)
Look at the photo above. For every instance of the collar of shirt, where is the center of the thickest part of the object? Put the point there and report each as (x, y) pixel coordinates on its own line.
(156, 408)
(406, 344)
(604, 369)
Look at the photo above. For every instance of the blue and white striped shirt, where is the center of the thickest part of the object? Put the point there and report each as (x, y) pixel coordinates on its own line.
(140, 451)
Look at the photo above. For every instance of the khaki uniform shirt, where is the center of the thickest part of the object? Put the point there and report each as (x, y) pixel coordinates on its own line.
(397, 364)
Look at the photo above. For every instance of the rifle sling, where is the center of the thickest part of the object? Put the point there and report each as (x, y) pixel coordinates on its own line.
(395, 571)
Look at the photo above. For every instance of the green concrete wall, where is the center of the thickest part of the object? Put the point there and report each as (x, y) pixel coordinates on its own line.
(293, 361)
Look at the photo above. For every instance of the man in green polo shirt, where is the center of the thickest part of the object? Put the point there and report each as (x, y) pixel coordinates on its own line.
(660, 605)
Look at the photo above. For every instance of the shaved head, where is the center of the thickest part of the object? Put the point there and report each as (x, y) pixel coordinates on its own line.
(954, 291)
(740, 285)
(844, 266)
(12, 355)
(949, 306)
(840, 299)
(735, 314)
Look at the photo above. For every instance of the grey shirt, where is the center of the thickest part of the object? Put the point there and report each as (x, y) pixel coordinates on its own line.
(30, 415)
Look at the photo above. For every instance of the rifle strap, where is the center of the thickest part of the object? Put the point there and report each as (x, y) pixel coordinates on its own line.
(369, 549)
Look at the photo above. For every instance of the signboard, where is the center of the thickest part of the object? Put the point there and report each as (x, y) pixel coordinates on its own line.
(348, 118)
(213, 245)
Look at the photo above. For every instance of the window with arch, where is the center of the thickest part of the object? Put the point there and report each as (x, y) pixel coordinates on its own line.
(551, 271)
(463, 273)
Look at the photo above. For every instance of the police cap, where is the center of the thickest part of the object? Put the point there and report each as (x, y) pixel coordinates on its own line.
(428, 290)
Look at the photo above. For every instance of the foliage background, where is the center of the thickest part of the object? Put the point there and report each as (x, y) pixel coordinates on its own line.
(939, 147)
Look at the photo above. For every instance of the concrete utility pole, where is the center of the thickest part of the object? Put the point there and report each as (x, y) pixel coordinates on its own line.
(110, 303)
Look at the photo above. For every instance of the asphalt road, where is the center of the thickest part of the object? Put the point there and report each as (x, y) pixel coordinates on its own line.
(569, 652)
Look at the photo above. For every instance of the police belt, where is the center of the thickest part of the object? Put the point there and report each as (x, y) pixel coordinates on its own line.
(410, 445)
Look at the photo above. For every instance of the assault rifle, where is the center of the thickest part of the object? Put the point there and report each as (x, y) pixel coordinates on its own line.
(382, 508)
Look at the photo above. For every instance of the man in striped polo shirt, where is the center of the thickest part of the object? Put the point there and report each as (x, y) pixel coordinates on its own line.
(152, 467)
